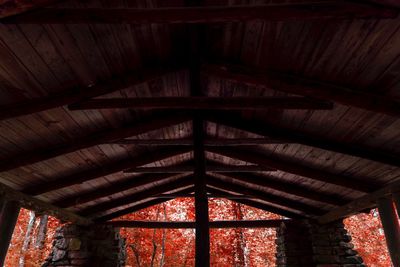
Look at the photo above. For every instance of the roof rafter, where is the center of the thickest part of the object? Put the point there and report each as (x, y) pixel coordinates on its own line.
(145, 125)
(306, 87)
(77, 94)
(94, 173)
(288, 188)
(277, 12)
(258, 205)
(141, 206)
(368, 201)
(295, 168)
(114, 188)
(94, 211)
(271, 131)
(17, 7)
(273, 199)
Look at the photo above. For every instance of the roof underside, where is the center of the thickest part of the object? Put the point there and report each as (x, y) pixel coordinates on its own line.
(307, 161)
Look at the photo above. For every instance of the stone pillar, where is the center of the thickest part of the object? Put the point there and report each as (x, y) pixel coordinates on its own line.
(96, 246)
(301, 243)
(294, 245)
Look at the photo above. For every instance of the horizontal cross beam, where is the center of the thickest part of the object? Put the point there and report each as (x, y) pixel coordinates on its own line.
(203, 103)
(207, 142)
(190, 225)
(277, 12)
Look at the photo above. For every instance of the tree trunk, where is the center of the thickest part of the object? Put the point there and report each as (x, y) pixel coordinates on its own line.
(163, 238)
(27, 238)
(42, 232)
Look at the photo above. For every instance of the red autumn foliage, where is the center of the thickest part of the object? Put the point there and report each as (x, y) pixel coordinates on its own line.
(34, 255)
(369, 238)
(175, 247)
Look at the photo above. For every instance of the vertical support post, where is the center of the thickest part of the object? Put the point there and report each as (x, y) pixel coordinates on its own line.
(396, 199)
(201, 200)
(8, 218)
(391, 228)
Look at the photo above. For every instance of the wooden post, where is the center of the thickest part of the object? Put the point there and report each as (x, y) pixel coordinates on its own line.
(396, 199)
(391, 228)
(8, 218)
(201, 200)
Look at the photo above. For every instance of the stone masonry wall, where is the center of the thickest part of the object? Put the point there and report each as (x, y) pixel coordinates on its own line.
(95, 246)
(301, 243)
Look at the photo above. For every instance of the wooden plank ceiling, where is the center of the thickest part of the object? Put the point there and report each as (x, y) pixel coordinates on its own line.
(295, 106)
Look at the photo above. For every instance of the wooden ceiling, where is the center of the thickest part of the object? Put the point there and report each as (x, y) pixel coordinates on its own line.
(108, 107)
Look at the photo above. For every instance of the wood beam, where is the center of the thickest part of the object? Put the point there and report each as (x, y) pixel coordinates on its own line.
(114, 188)
(210, 167)
(141, 206)
(202, 103)
(292, 167)
(15, 7)
(207, 142)
(273, 199)
(396, 200)
(40, 206)
(293, 136)
(191, 225)
(145, 125)
(208, 195)
(94, 173)
(258, 205)
(306, 87)
(95, 210)
(365, 202)
(201, 201)
(77, 94)
(9, 211)
(277, 12)
(288, 188)
(391, 227)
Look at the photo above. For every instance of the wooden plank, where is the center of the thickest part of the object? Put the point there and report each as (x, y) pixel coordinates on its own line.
(111, 189)
(210, 167)
(202, 103)
(365, 202)
(207, 142)
(95, 210)
(306, 87)
(288, 188)
(277, 200)
(77, 94)
(107, 169)
(190, 225)
(277, 12)
(40, 206)
(272, 131)
(9, 211)
(208, 195)
(391, 227)
(136, 128)
(140, 206)
(259, 205)
(295, 168)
